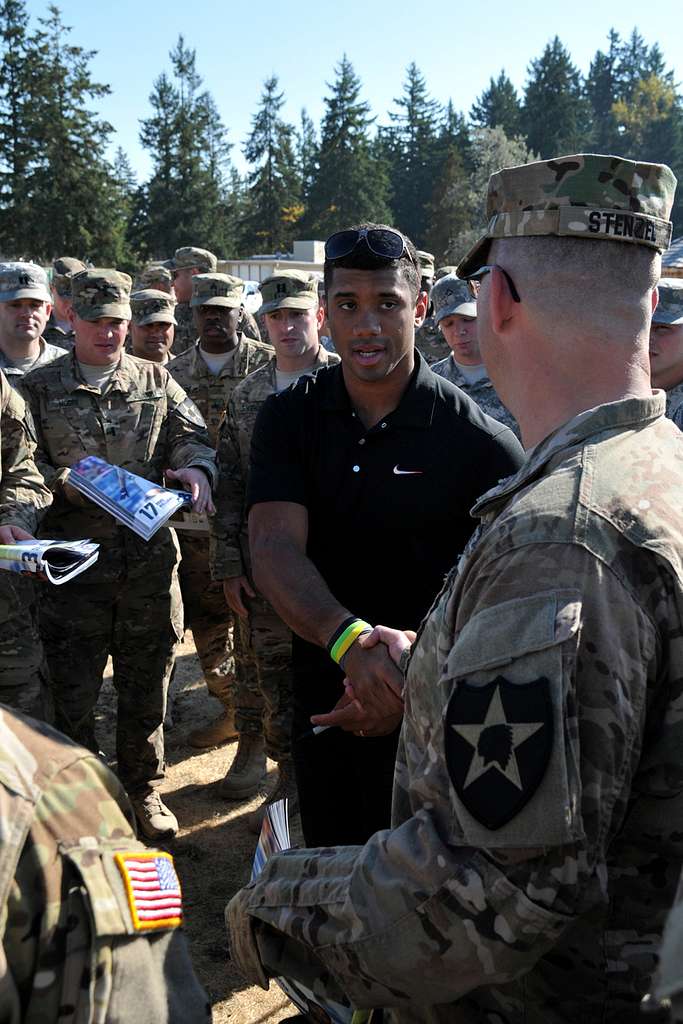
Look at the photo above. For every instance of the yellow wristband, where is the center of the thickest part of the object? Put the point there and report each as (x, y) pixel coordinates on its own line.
(348, 638)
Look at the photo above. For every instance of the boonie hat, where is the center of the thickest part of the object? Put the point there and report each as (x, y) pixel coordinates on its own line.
(587, 195)
(190, 256)
(23, 281)
(217, 290)
(97, 292)
(451, 296)
(289, 289)
(150, 306)
(63, 269)
(670, 306)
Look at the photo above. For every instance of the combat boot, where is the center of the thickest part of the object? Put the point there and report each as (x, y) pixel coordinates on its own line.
(221, 730)
(285, 788)
(155, 819)
(245, 775)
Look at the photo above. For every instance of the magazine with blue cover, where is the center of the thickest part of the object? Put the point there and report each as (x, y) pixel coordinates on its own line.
(56, 561)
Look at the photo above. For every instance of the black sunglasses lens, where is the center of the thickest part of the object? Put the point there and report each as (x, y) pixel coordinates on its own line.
(341, 244)
(385, 243)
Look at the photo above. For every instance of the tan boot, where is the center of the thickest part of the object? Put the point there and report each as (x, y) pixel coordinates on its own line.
(221, 730)
(245, 774)
(155, 819)
(285, 788)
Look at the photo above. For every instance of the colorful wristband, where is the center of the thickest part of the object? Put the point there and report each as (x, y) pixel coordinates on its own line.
(341, 642)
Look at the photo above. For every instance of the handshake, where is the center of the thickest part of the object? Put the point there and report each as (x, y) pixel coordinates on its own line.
(372, 703)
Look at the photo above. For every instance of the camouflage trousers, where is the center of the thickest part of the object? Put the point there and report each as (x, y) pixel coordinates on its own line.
(263, 698)
(138, 622)
(23, 673)
(208, 616)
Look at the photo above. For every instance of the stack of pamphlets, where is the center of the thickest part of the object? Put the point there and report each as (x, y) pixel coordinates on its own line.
(140, 505)
(57, 561)
(275, 837)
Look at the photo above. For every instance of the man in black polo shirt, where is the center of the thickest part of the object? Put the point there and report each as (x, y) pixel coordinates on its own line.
(373, 457)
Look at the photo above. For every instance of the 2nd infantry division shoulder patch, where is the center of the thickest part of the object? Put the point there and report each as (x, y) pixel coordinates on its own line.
(498, 744)
(153, 889)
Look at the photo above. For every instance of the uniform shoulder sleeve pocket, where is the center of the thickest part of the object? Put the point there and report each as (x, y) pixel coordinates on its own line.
(510, 728)
(129, 888)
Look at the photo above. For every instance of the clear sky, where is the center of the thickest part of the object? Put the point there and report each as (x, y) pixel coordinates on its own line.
(458, 47)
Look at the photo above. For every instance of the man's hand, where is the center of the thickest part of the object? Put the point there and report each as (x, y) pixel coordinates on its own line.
(11, 534)
(244, 951)
(197, 483)
(376, 694)
(395, 640)
(232, 589)
(349, 714)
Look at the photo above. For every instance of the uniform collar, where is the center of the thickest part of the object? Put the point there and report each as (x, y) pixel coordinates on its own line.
(590, 425)
(416, 407)
(234, 368)
(47, 354)
(123, 377)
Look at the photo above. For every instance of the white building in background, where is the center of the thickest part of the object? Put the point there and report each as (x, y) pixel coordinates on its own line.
(672, 259)
(308, 256)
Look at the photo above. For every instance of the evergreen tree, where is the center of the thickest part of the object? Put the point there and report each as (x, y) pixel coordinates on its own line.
(306, 154)
(351, 183)
(498, 107)
(602, 91)
(412, 148)
(274, 203)
(555, 113)
(17, 143)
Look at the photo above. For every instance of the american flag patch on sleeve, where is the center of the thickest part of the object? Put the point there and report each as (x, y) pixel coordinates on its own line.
(153, 889)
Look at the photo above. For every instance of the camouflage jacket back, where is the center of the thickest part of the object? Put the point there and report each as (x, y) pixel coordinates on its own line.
(562, 621)
(211, 392)
(143, 422)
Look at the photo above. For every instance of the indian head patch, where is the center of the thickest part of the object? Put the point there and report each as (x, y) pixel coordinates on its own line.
(152, 887)
(498, 743)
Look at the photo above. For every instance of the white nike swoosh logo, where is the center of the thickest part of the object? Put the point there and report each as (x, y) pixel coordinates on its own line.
(407, 472)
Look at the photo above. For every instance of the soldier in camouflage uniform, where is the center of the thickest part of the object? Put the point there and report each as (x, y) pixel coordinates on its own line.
(73, 944)
(428, 340)
(59, 330)
(209, 371)
(97, 400)
(536, 842)
(24, 310)
(152, 325)
(263, 701)
(23, 498)
(666, 346)
(455, 315)
(186, 264)
(157, 276)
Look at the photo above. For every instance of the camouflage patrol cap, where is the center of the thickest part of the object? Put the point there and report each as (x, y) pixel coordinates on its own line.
(583, 196)
(217, 290)
(152, 275)
(97, 292)
(63, 269)
(442, 271)
(149, 306)
(426, 261)
(670, 306)
(289, 289)
(23, 281)
(451, 296)
(190, 256)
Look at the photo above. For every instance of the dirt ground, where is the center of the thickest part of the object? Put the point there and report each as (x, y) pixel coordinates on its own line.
(214, 850)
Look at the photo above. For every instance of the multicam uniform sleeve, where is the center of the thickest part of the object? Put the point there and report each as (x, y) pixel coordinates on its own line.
(188, 438)
(71, 939)
(225, 556)
(23, 494)
(450, 899)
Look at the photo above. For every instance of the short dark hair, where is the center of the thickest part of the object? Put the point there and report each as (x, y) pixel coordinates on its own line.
(363, 259)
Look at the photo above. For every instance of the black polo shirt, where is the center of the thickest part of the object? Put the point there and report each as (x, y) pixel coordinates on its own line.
(388, 508)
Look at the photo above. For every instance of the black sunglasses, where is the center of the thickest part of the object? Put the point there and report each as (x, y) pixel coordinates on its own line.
(474, 280)
(382, 242)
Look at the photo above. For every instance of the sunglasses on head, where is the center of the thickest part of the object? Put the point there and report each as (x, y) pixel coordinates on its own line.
(382, 242)
(474, 280)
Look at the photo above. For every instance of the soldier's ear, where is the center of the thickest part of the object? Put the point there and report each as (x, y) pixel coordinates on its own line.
(71, 315)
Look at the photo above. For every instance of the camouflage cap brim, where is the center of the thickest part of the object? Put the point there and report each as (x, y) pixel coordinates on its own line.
(26, 293)
(157, 318)
(119, 310)
(290, 302)
(216, 300)
(667, 315)
(459, 309)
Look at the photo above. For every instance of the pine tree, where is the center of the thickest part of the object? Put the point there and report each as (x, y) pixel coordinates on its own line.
(498, 107)
(412, 148)
(274, 203)
(17, 143)
(306, 154)
(351, 183)
(555, 113)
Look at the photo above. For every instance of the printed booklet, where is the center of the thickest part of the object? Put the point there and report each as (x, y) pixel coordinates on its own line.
(56, 561)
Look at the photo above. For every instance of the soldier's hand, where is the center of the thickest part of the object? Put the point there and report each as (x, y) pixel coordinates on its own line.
(396, 641)
(197, 483)
(377, 688)
(349, 714)
(11, 534)
(232, 589)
